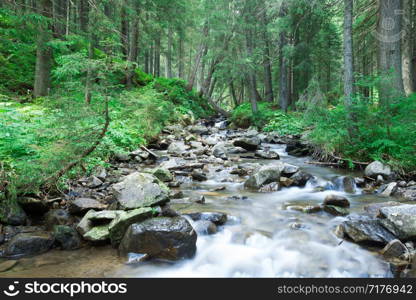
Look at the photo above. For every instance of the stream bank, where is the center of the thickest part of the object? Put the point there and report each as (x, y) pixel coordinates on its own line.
(231, 203)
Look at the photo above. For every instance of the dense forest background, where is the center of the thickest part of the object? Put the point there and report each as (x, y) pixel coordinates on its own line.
(84, 80)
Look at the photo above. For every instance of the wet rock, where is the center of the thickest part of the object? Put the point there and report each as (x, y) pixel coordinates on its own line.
(250, 144)
(167, 211)
(94, 182)
(123, 220)
(98, 234)
(394, 250)
(300, 178)
(297, 148)
(377, 168)
(93, 218)
(374, 209)
(286, 182)
(198, 129)
(269, 188)
(364, 230)
(266, 174)
(336, 200)
(349, 184)
(211, 141)
(177, 195)
(289, 170)
(11, 213)
(82, 205)
(408, 193)
(204, 227)
(7, 265)
(33, 206)
(336, 210)
(359, 181)
(57, 217)
(66, 237)
(267, 154)
(198, 199)
(163, 175)
(220, 151)
(101, 173)
(177, 148)
(25, 244)
(214, 217)
(400, 220)
(161, 238)
(140, 190)
(390, 189)
(199, 176)
(239, 171)
(237, 150)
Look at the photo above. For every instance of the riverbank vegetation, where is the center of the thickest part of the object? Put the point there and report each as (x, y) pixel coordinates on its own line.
(83, 80)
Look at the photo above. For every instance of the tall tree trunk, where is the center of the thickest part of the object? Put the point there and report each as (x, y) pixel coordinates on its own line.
(169, 53)
(43, 53)
(283, 81)
(268, 81)
(389, 35)
(198, 58)
(157, 56)
(133, 48)
(348, 62)
(181, 50)
(83, 15)
(151, 60)
(124, 30)
(408, 48)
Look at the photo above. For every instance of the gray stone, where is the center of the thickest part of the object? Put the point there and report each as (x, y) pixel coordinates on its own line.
(204, 227)
(177, 148)
(267, 154)
(198, 129)
(336, 200)
(390, 189)
(163, 175)
(57, 217)
(25, 244)
(266, 174)
(365, 230)
(66, 237)
(374, 209)
(400, 220)
(123, 220)
(82, 205)
(161, 238)
(11, 213)
(250, 144)
(394, 249)
(220, 151)
(98, 234)
(140, 190)
(215, 217)
(300, 178)
(377, 168)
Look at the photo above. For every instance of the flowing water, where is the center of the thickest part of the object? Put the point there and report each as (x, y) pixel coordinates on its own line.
(264, 237)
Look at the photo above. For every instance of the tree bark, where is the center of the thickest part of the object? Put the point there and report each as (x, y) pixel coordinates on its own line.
(389, 35)
(43, 53)
(283, 81)
(157, 56)
(348, 62)
(268, 81)
(133, 48)
(124, 30)
(181, 62)
(198, 58)
(408, 48)
(169, 53)
(83, 15)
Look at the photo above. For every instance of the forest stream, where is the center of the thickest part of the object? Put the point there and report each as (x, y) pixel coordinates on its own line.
(266, 234)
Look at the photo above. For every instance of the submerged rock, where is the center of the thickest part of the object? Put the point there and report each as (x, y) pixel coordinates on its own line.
(364, 230)
(140, 190)
(161, 238)
(215, 217)
(400, 220)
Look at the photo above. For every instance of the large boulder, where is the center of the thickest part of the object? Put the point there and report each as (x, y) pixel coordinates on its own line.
(373, 209)
(161, 238)
(198, 129)
(400, 220)
(140, 190)
(123, 220)
(250, 144)
(11, 213)
(364, 230)
(266, 174)
(82, 205)
(25, 244)
(377, 168)
(93, 218)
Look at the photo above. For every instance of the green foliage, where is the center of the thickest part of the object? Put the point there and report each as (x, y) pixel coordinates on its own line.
(268, 118)
(384, 133)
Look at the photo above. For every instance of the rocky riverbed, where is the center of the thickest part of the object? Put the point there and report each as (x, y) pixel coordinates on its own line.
(204, 200)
